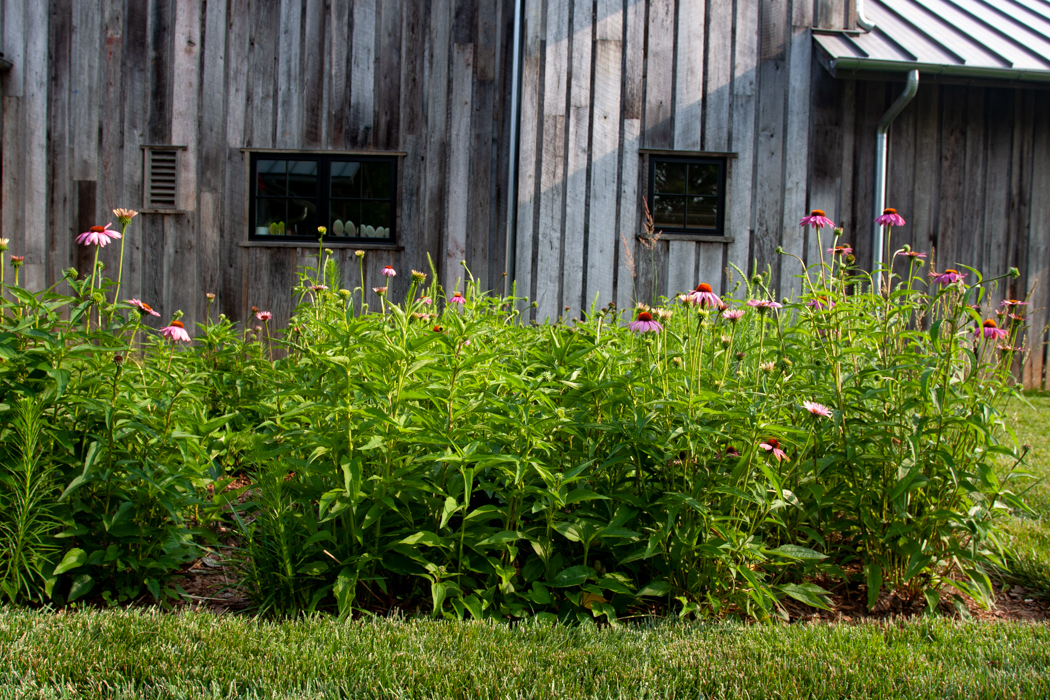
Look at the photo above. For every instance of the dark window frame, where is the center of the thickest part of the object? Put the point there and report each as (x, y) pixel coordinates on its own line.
(720, 216)
(323, 197)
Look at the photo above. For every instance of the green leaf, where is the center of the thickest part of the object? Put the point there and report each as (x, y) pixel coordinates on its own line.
(501, 538)
(437, 594)
(450, 508)
(579, 495)
(74, 558)
(82, 585)
(427, 539)
(346, 591)
(794, 551)
(572, 576)
(873, 572)
(655, 588)
(808, 593)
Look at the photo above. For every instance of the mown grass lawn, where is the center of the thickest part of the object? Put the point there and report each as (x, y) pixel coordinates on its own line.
(124, 654)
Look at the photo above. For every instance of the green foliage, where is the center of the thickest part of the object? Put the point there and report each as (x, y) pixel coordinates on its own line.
(452, 459)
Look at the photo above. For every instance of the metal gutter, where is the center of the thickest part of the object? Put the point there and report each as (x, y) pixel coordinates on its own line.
(881, 148)
(847, 63)
(515, 128)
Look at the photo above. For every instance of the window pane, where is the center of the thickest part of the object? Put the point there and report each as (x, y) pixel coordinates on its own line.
(302, 178)
(668, 210)
(302, 217)
(375, 218)
(375, 182)
(703, 179)
(669, 177)
(703, 212)
(269, 211)
(345, 218)
(345, 179)
(271, 178)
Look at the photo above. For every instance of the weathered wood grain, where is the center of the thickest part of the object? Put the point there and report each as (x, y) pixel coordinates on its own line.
(61, 201)
(741, 170)
(289, 75)
(950, 206)
(261, 107)
(458, 211)
(388, 74)
(339, 69)
(110, 129)
(900, 185)
(718, 78)
(973, 177)
(438, 80)
(1037, 265)
(689, 74)
(86, 29)
(659, 74)
(924, 208)
(314, 96)
(825, 160)
(362, 73)
(484, 199)
(212, 156)
(35, 106)
(796, 148)
(528, 154)
(12, 192)
(14, 28)
(231, 292)
(628, 289)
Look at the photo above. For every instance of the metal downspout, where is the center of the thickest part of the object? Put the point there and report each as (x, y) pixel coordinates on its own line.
(862, 21)
(515, 127)
(881, 147)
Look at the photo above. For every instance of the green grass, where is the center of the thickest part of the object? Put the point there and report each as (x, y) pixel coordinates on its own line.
(1029, 534)
(131, 654)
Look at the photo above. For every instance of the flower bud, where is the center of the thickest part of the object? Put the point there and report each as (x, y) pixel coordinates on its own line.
(4, 243)
(1014, 272)
(322, 230)
(837, 231)
(726, 340)
(779, 250)
(739, 356)
(70, 273)
(359, 253)
(210, 296)
(344, 293)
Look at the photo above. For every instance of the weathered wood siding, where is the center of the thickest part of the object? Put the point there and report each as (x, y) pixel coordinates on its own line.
(94, 80)
(969, 169)
(628, 75)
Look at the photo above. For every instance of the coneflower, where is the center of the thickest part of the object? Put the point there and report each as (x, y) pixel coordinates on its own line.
(704, 296)
(771, 445)
(991, 330)
(890, 217)
(816, 219)
(644, 323)
(947, 277)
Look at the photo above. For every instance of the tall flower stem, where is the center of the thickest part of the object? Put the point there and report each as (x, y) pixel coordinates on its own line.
(120, 268)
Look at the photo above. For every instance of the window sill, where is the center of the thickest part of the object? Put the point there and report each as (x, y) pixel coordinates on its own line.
(692, 238)
(317, 244)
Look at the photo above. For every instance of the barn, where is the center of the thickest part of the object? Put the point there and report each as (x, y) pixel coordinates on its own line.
(526, 137)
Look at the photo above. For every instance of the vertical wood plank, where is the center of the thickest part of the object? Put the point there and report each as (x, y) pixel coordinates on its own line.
(289, 74)
(577, 158)
(109, 130)
(413, 142)
(231, 299)
(213, 157)
(459, 167)
(484, 157)
(628, 281)
(362, 73)
(900, 186)
(953, 249)
(872, 102)
(314, 95)
(14, 19)
(924, 209)
(718, 77)
(825, 170)
(35, 145)
(739, 197)
(388, 74)
(60, 207)
(602, 235)
(973, 179)
(796, 146)
(338, 70)
(659, 74)
(1037, 266)
(1021, 195)
(262, 42)
(439, 41)
(86, 30)
(528, 158)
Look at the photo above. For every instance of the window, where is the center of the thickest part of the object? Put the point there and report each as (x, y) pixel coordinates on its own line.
(687, 194)
(294, 193)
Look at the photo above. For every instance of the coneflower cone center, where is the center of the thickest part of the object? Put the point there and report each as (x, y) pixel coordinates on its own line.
(889, 210)
(951, 271)
(990, 324)
(97, 229)
(704, 287)
(177, 324)
(772, 442)
(645, 316)
(817, 212)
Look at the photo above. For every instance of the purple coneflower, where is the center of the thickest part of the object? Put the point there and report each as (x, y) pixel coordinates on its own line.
(424, 300)
(990, 329)
(841, 250)
(176, 331)
(890, 217)
(1013, 302)
(730, 452)
(817, 409)
(771, 445)
(763, 305)
(143, 307)
(388, 271)
(645, 323)
(733, 316)
(1009, 348)
(17, 260)
(947, 277)
(264, 315)
(457, 298)
(98, 235)
(379, 290)
(910, 254)
(821, 303)
(704, 295)
(319, 288)
(816, 219)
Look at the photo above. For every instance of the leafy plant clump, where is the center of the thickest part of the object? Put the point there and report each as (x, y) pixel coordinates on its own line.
(711, 456)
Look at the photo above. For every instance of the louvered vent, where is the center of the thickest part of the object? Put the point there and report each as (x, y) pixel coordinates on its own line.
(161, 181)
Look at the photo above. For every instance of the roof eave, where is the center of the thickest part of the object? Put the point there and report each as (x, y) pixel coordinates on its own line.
(859, 65)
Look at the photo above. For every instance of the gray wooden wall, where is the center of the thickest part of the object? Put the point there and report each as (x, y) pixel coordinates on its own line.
(969, 171)
(94, 80)
(605, 80)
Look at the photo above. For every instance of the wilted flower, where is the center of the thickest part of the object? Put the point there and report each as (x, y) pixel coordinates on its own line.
(176, 331)
(727, 340)
(841, 250)
(379, 290)
(124, 216)
(817, 409)
(768, 366)
(890, 217)
(457, 298)
(1009, 348)
(419, 277)
(98, 235)
(663, 314)
(644, 323)
(947, 277)
(990, 329)
(264, 315)
(143, 307)
(816, 219)
(704, 295)
(733, 316)
(16, 261)
(771, 445)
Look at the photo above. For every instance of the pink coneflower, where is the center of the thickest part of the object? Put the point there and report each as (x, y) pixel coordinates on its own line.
(264, 315)
(424, 300)
(704, 295)
(388, 271)
(663, 314)
(763, 305)
(176, 331)
(771, 445)
(730, 452)
(17, 260)
(1013, 302)
(98, 235)
(947, 277)
(990, 329)
(890, 217)
(379, 290)
(644, 323)
(841, 250)
(910, 254)
(817, 409)
(143, 307)
(457, 298)
(733, 316)
(816, 219)
(319, 288)
(1008, 348)
(821, 303)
